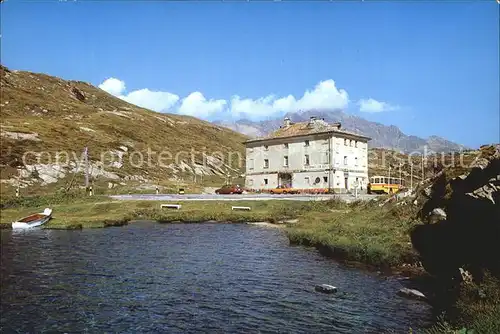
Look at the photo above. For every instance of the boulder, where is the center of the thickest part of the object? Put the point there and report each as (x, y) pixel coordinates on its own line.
(78, 94)
(325, 288)
(436, 215)
(467, 231)
(412, 294)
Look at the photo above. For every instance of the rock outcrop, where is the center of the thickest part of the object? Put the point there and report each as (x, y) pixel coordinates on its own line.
(78, 94)
(462, 220)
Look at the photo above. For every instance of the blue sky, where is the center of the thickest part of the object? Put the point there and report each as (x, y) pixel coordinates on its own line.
(428, 68)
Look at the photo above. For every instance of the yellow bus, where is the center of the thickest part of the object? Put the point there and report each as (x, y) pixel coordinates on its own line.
(384, 184)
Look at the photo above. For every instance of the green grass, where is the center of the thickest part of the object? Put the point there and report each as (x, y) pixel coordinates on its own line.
(477, 310)
(365, 233)
(101, 211)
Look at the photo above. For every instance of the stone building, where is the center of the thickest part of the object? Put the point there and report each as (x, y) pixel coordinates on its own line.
(307, 156)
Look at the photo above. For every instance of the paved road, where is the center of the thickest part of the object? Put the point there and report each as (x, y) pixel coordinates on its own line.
(243, 197)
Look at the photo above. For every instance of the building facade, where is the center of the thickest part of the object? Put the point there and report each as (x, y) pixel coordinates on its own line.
(307, 156)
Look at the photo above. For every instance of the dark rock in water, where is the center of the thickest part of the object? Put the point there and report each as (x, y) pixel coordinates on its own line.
(325, 288)
(411, 293)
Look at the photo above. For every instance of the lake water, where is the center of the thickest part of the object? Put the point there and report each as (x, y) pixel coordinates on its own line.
(178, 278)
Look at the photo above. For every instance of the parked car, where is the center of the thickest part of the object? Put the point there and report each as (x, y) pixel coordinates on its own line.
(229, 189)
(284, 190)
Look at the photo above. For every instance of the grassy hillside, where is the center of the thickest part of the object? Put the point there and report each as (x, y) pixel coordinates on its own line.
(41, 113)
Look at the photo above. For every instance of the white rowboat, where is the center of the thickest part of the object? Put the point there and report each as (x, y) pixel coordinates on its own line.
(33, 220)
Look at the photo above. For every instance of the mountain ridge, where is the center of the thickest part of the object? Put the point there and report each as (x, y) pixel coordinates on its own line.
(383, 136)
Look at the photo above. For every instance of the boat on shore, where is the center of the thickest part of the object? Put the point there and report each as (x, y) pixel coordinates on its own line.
(33, 220)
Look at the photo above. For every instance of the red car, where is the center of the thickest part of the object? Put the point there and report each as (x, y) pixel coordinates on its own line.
(229, 189)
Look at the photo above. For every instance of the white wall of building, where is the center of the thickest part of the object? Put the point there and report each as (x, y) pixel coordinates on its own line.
(346, 156)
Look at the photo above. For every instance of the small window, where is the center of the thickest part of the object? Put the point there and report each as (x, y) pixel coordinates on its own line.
(386, 180)
(266, 147)
(306, 180)
(306, 160)
(285, 145)
(250, 182)
(325, 158)
(266, 163)
(317, 180)
(345, 160)
(355, 144)
(285, 161)
(306, 143)
(266, 181)
(350, 143)
(250, 164)
(325, 179)
(356, 161)
(345, 142)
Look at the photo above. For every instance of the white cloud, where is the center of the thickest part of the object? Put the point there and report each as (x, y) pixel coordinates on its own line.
(372, 105)
(157, 101)
(325, 95)
(195, 104)
(113, 86)
(254, 109)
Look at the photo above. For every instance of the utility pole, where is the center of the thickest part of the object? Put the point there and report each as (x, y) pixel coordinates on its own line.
(423, 173)
(18, 181)
(411, 176)
(86, 159)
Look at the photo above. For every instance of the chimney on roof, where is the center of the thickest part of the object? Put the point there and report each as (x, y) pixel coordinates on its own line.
(287, 122)
(337, 125)
(312, 121)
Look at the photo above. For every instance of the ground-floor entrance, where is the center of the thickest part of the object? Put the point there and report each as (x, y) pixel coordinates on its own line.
(285, 179)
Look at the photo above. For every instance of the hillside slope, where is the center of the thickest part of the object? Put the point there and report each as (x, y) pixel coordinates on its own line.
(45, 114)
(383, 136)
